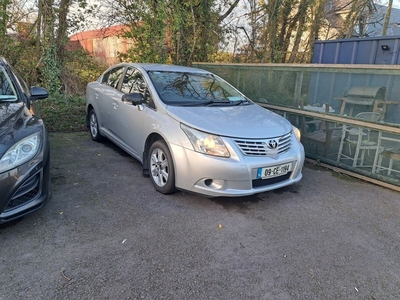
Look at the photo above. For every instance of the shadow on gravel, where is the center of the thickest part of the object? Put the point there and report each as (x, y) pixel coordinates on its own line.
(294, 189)
(243, 203)
(115, 148)
(240, 203)
(10, 224)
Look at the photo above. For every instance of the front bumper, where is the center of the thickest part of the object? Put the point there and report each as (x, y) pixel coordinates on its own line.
(27, 187)
(235, 176)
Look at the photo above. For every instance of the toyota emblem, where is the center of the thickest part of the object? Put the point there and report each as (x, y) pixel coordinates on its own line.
(272, 144)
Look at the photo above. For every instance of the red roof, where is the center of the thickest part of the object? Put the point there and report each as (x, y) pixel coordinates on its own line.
(99, 33)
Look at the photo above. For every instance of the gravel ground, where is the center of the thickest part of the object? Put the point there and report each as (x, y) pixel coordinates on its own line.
(107, 234)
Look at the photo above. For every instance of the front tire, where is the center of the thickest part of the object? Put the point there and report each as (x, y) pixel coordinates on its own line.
(94, 127)
(161, 166)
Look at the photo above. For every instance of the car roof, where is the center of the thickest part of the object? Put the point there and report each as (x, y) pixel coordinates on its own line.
(164, 67)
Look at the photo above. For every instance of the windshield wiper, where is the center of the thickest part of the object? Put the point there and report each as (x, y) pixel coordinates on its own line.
(212, 103)
(204, 103)
(193, 103)
(220, 103)
(239, 102)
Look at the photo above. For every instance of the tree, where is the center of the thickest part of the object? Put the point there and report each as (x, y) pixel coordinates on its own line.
(53, 24)
(285, 30)
(14, 27)
(4, 17)
(172, 30)
(387, 17)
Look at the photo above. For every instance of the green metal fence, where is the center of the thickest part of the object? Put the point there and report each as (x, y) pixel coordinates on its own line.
(349, 115)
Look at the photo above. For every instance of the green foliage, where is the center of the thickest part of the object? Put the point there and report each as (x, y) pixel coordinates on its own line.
(148, 35)
(71, 78)
(221, 57)
(171, 31)
(79, 69)
(4, 16)
(63, 114)
(50, 71)
(64, 110)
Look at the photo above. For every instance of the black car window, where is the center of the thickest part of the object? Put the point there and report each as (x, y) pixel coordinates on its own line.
(112, 77)
(7, 91)
(134, 83)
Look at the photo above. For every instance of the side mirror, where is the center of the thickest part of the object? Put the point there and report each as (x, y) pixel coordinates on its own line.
(38, 93)
(134, 98)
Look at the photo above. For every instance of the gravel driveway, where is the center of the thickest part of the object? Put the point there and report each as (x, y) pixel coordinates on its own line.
(107, 234)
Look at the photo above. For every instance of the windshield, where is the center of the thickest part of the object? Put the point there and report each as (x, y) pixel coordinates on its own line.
(7, 91)
(179, 88)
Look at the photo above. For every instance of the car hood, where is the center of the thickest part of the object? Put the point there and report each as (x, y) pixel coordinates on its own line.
(247, 121)
(16, 122)
(10, 113)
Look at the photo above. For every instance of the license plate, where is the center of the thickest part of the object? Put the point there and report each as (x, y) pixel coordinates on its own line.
(274, 171)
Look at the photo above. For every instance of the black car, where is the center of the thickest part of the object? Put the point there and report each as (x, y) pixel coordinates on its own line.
(24, 147)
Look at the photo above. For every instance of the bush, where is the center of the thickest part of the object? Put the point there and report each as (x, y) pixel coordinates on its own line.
(64, 110)
(63, 114)
(80, 69)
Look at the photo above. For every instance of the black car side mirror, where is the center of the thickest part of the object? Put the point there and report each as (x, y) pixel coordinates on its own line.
(134, 98)
(38, 93)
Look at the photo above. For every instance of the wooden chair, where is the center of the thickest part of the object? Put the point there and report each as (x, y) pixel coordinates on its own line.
(359, 139)
(388, 148)
(324, 134)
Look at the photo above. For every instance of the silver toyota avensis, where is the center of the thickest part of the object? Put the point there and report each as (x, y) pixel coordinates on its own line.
(193, 131)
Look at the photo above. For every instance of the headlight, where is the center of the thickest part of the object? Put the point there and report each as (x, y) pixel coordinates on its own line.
(206, 143)
(297, 133)
(20, 153)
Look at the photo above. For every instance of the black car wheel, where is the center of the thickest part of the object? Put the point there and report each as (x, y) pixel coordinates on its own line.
(94, 127)
(161, 167)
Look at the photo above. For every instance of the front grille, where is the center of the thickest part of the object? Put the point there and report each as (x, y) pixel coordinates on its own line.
(264, 182)
(252, 147)
(27, 192)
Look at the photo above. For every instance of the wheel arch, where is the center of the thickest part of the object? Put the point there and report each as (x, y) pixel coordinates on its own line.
(149, 141)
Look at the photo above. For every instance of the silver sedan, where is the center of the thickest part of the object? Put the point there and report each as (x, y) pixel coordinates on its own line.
(193, 131)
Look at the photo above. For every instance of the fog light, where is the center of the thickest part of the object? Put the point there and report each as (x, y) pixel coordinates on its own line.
(214, 183)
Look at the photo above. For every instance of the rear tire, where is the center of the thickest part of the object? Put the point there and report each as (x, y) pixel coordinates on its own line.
(161, 166)
(94, 127)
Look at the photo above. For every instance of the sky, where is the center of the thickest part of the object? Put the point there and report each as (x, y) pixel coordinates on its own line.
(93, 23)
